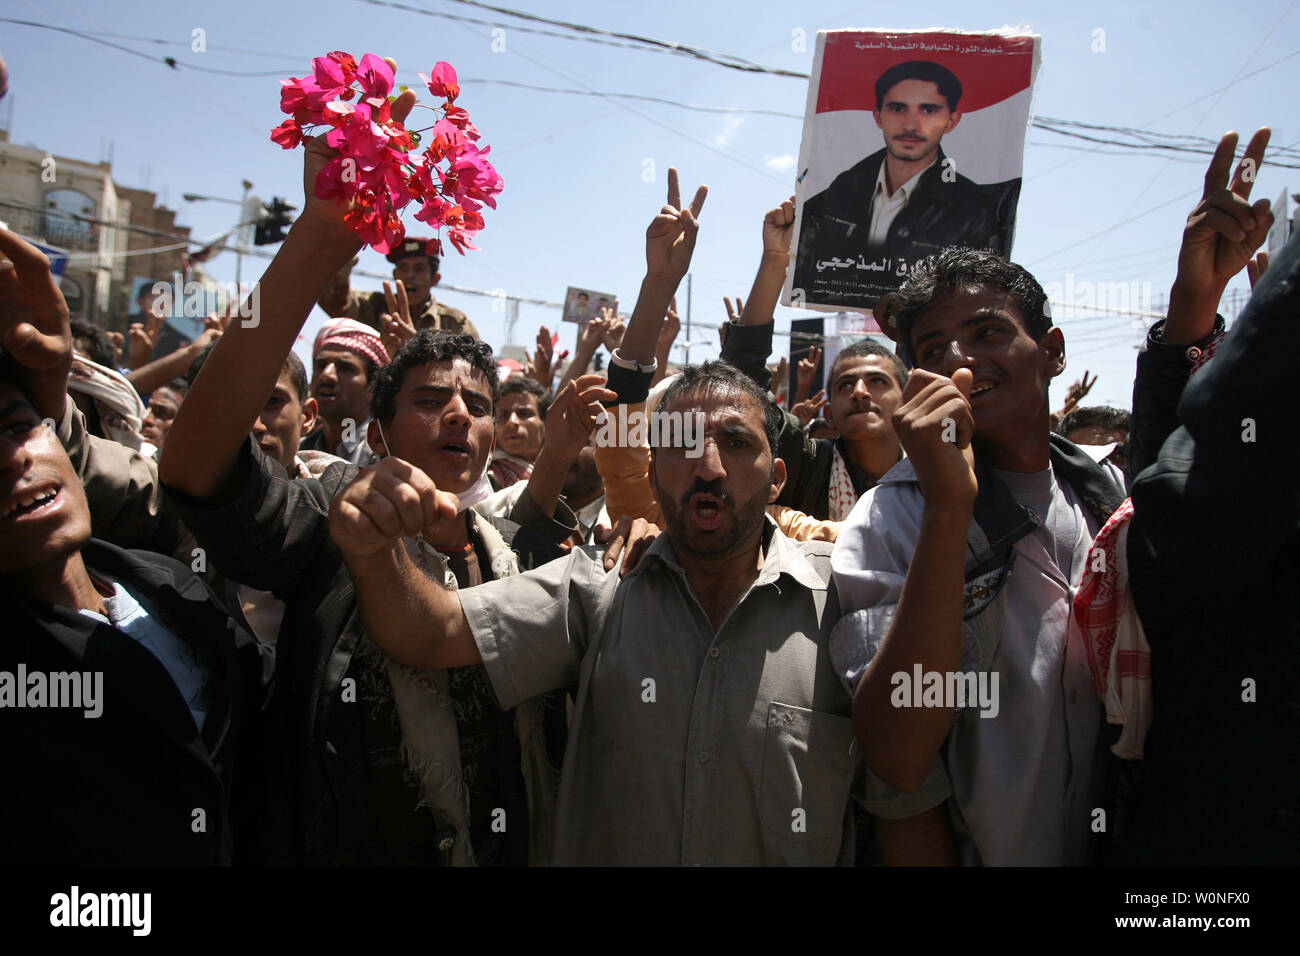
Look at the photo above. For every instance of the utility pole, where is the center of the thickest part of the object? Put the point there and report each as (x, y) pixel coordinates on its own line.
(688, 318)
(239, 256)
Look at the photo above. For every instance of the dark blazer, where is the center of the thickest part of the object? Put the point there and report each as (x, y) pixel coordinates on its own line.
(122, 788)
(1214, 562)
(837, 223)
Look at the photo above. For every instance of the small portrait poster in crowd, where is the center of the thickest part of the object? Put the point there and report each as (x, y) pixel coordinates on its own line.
(912, 142)
(583, 305)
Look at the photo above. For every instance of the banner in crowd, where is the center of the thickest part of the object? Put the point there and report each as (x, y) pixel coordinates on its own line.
(912, 141)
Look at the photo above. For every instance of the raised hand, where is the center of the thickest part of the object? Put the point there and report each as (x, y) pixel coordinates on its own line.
(935, 425)
(1076, 394)
(396, 327)
(670, 238)
(593, 333)
(615, 328)
(733, 311)
(386, 501)
(34, 324)
(539, 365)
(810, 408)
(1256, 267)
(669, 331)
(778, 228)
(805, 372)
(572, 415)
(140, 345)
(118, 340)
(778, 378)
(1224, 229)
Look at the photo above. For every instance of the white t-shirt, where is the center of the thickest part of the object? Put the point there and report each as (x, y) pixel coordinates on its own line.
(1025, 782)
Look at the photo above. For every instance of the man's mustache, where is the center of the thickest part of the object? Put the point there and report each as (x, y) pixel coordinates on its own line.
(702, 487)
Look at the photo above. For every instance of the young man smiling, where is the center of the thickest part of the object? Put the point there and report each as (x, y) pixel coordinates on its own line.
(963, 559)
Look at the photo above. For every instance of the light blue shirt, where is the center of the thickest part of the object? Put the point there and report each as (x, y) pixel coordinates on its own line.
(188, 673)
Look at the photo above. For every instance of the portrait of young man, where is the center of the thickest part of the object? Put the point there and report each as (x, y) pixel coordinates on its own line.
(913, 142)
(904, 201)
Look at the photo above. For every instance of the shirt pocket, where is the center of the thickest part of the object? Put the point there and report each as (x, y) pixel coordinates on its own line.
(809, 758)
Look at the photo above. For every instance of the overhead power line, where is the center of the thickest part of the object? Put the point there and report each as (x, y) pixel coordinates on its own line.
(727, 60)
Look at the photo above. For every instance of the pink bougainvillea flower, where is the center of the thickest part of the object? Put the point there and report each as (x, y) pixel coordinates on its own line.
(459, 118)
(337, 113)
(287, 134)
(442, 81)
(460, 240)
(473, 177)
(378, 169)
(375, 76)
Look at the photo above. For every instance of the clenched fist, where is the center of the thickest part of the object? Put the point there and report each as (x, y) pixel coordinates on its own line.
(385, 502)
(935, 425)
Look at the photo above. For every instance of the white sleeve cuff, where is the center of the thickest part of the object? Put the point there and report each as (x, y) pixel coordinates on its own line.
(616, 358)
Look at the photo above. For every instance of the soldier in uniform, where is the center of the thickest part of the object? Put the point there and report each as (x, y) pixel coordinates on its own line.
(415, 265)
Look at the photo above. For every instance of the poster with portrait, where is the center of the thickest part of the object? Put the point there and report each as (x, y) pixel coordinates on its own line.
(912, 141)
(583, 305)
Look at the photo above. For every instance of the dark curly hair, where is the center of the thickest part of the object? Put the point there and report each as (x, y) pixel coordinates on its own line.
(957, 269)
(430, 346)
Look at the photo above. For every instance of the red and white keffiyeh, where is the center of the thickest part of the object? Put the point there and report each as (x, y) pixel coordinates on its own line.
(1119, 656)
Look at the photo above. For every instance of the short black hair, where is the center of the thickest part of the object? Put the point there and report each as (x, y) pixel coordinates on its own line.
(430, 346)
(292, 364)
(93, 342)
(181, 386)
(1096, 416)
(522, 384)
(863, 349)
(720, 376)
(957, 269)
(940, 76)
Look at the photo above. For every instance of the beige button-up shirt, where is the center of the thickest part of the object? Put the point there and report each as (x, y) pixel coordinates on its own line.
(686, 747)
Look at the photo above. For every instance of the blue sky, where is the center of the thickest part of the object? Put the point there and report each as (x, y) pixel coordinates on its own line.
(576, 204)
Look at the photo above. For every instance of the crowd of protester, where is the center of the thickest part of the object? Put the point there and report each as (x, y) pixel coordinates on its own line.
(399, 608)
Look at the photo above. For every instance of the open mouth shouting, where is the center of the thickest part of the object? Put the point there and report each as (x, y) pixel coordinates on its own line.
(30, 501)
(706, 510)
(456, 449)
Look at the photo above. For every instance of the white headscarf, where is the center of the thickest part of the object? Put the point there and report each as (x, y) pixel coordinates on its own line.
(121, 412)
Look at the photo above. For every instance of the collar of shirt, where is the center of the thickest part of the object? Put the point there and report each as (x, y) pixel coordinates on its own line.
(906, 189)
(588, 514)
(781, 556)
